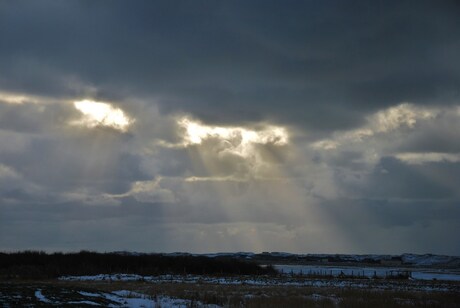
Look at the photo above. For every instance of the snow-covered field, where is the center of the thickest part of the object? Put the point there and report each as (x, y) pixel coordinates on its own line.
(227, 291)
(121, 298)
(40, 297)
(369, 272)
(283, 281)
(435, 275)
(424, 260)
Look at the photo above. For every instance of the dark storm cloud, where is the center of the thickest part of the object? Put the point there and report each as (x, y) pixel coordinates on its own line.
(315, 64)
(393, 179)
(408, 225)
(397, 220)
(360, 171)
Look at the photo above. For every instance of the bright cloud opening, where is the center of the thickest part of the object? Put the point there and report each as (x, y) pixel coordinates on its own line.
(102, 114)
(196, 133)
(230, 153)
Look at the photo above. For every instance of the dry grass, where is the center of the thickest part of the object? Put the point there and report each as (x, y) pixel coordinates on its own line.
(283, 296)
(242, 295)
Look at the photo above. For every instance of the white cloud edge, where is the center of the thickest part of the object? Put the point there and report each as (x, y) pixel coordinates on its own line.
(413, 158)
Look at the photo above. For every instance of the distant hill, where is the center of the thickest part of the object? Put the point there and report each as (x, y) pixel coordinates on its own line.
(407, 259)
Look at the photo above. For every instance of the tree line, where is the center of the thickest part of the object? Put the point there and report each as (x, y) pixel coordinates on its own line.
(36, 264)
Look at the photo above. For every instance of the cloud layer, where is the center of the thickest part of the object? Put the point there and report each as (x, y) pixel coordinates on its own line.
(308, 127)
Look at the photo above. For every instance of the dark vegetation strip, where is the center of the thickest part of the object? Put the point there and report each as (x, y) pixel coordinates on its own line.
(37, 265)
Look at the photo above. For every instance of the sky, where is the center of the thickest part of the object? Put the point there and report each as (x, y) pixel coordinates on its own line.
(211, 126)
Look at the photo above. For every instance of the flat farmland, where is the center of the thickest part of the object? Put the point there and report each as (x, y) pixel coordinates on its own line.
(236, 291)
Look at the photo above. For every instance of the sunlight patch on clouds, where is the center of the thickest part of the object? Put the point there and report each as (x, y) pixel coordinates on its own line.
(402, 115)
(381, 122)
(149, 192)
(239, 139)
(326, 144)
(214, 179)
(19, 98)
(102, 114)
(231, 153)
(430, 157)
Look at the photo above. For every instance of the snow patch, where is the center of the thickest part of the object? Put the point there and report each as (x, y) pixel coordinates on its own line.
(40, 297)
(83, 303)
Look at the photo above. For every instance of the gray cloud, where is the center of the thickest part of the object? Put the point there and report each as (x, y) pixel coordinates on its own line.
(367, 94)
(231, 62)
(392, 178)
